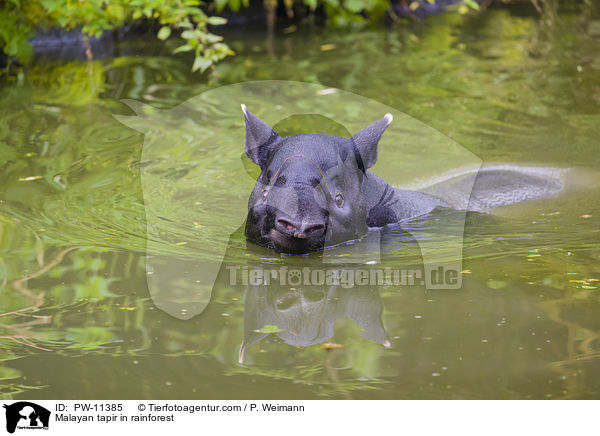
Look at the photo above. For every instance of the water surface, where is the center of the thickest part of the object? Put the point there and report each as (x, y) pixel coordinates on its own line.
(76, 317)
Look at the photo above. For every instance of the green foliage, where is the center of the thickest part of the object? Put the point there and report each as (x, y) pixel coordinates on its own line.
(18, 21)
(185, 18)
(14, 33)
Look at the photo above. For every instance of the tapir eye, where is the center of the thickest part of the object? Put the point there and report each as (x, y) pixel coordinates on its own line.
(339, 200)
(264, 195)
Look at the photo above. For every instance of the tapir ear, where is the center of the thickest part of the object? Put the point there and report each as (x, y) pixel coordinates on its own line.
(260, 138)
(367, 139)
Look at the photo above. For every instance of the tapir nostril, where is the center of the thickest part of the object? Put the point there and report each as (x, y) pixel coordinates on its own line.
(285, 224)
(300, 230)
(313, 229)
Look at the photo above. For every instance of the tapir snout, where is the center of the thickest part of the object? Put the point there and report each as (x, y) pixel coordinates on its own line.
(302, 229)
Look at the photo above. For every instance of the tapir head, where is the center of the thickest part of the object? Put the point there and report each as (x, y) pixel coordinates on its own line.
(309, 194)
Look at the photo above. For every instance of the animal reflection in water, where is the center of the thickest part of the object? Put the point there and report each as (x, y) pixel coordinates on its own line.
(306, 315)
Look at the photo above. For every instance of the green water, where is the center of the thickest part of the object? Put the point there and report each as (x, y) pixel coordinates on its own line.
(80, 221)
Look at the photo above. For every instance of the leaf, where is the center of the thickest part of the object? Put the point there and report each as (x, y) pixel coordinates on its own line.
(200, 63)
(11, 47)
(183, 48)
(472, 4)
(216, 21)
(354, 5)
(24, 51)
(220, 5)
(211, 38)
(269, 329)
(189, 34)
(164, 33)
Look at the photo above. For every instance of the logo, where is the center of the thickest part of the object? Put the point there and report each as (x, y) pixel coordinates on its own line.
(26, 415)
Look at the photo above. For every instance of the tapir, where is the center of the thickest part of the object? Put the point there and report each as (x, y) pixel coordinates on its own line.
(316, 190)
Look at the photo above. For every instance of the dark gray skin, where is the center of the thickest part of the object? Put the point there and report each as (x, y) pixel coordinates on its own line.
(316, 191)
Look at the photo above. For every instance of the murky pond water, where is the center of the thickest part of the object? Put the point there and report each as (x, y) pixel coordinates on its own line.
(81, 238)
